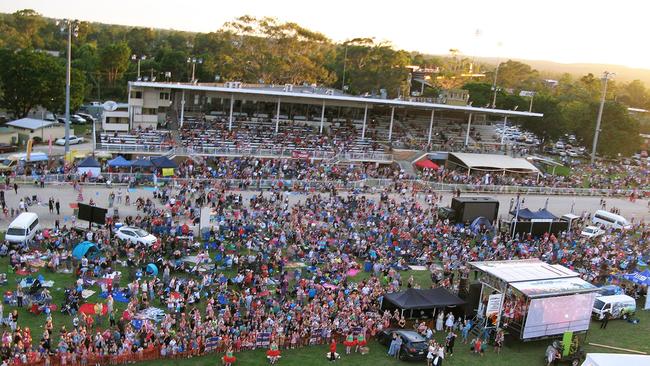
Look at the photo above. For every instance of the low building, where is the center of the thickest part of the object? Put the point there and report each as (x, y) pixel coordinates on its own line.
(40, 130)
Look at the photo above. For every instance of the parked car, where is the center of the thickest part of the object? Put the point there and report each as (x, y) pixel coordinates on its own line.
(87, 117)
(592, 232)
(414, 346)
(73, 140)
(76, 119)
(136, 235)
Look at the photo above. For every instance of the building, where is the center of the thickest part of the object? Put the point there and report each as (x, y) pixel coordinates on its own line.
(28, 128)
(117, 119)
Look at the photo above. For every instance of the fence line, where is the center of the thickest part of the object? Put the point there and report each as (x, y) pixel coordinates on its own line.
(364, 185)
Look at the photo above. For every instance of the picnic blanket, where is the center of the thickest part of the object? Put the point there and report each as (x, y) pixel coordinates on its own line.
(353, 272)
(118, 296)
(418, 268)
(296, 265)
(89, 309)
(87, 293)
(27, 282)
(151, 313)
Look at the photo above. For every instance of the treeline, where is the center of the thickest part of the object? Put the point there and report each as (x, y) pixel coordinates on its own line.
(264, 50)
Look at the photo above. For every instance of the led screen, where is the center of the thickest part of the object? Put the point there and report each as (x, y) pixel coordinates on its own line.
(555, 315)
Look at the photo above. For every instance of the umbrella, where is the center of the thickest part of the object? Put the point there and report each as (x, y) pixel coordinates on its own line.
(427, 164)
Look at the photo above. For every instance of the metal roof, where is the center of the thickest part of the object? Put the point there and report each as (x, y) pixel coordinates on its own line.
(334, 98)
(494, 162)
(523, 270)
(30, 123)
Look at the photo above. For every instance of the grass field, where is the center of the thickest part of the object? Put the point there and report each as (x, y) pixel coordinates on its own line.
(619, 334)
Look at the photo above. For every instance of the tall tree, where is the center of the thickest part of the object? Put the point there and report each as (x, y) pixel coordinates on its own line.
(114, 60)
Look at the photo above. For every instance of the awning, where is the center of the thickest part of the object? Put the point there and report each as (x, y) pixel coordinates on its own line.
(427, 164)
(492, 162)
(119, 162)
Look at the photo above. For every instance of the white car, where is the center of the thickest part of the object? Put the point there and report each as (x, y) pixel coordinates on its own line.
(73, 140)
(136, 235)
(592, 232)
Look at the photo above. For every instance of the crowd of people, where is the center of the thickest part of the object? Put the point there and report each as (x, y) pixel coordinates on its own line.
(270, 272)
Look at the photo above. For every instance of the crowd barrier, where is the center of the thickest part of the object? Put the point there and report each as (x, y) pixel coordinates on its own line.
(364, 184)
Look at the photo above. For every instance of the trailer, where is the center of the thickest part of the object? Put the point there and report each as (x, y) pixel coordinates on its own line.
(467, 209)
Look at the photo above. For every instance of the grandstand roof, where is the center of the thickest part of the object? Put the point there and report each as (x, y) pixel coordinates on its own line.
(309, 95)
(491, 162)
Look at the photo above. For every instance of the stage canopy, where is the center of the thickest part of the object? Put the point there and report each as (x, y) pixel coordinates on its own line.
(523, 270)
(421, 299)
(492, 163)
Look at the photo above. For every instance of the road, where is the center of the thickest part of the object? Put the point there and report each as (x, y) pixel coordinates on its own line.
(559, 205)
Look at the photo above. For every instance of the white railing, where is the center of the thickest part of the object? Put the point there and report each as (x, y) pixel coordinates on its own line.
(369, 184)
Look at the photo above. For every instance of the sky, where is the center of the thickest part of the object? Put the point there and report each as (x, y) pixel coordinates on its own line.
(567, 31)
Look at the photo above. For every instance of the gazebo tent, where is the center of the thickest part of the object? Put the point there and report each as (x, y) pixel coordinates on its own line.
(89, 166)
(119, 162)
(163, 162)
(526, 214)
(141, 163)
(85, 248)
(425, 301)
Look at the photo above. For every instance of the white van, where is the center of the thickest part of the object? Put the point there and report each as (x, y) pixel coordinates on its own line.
(23, 228)
(617, 306)
(609, 219)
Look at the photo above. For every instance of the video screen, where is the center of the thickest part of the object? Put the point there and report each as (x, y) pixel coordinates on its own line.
(556, 315)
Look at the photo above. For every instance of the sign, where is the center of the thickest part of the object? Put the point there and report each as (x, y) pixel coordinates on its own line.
(493, 305)
(168, 172)
(300, 154)
(526, 93)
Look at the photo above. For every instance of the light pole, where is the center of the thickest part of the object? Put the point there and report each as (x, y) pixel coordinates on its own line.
(494, 86)
(138, 58)
(606, 76)
(194, 61)
(345, 60)
(72, 28)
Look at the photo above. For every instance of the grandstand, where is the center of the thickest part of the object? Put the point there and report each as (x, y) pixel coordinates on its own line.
(232, 119)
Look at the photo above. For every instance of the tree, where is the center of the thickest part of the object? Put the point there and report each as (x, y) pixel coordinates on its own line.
(516, 75)
(114, 60)
(635, 95)
(30, 79)
(550, 127)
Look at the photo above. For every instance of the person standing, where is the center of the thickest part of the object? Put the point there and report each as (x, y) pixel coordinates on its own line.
(57, 205)
(498, 341)
(50, 203)
(604, 320)
(450, 341)
(16, 187)
(440, 321)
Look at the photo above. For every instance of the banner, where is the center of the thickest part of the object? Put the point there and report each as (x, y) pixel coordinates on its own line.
(493, 305)
(168, 172)
(300, 154)
(30, 142)
(566, 343)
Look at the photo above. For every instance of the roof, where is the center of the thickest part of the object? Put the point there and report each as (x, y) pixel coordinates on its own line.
(470, 199)
(523, 270)
(30, 123)
(494, 162)
(557, 286)
(23, 219)
(423, 299)
(615, 359)
(333, 98)
(615, 298)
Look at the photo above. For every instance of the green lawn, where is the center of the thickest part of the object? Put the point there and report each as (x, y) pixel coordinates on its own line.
(619, 334)
(81, 130)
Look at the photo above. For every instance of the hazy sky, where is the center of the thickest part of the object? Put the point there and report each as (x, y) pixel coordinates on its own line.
(594, 31)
